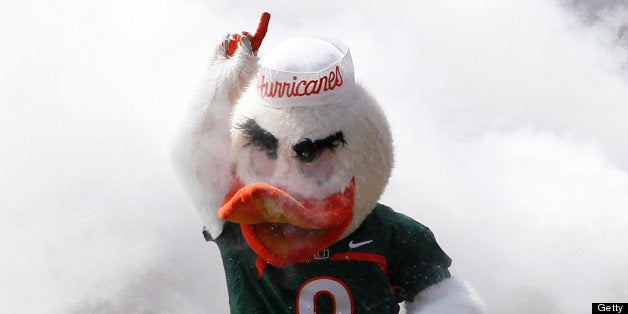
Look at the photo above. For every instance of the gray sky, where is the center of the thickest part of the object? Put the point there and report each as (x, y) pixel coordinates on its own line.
(508, 119)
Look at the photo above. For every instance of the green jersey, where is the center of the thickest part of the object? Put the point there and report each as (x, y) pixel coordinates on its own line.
(390, 258)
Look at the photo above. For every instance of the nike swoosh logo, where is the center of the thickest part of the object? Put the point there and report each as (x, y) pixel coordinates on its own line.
(359, 244)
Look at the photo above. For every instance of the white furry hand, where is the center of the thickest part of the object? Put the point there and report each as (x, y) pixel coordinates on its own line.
(250, 43)
(234, 42)
(449, 296)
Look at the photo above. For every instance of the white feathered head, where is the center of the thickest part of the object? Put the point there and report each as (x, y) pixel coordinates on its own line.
(310, 134)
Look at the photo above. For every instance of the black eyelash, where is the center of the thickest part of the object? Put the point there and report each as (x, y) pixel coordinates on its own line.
(309, 147)
(257, 136)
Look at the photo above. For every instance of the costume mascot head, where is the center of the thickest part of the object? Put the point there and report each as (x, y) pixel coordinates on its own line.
(285, 158)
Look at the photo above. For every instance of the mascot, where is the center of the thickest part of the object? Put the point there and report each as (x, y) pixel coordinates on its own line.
(284, 159)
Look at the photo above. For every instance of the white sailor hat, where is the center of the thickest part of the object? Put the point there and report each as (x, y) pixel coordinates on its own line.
(305, 71)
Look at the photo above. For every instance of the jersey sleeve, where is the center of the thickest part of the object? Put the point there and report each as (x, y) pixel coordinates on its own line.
(417, 260)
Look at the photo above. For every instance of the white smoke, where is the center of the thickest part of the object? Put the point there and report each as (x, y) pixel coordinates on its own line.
(508, 119)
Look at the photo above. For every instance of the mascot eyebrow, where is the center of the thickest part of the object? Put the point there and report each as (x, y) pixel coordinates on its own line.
(257, 136)
(307, 149)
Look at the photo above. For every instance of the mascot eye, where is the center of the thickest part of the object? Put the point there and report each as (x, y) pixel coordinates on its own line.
(307, 156)
(271, 153)
(307, 150)
(257, 136)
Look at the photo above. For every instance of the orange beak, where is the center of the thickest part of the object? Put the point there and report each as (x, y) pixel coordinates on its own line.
(282, 230)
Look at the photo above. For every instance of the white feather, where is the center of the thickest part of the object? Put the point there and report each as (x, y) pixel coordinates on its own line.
(449, 296)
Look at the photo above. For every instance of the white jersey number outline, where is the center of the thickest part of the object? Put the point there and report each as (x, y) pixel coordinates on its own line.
(336, 289)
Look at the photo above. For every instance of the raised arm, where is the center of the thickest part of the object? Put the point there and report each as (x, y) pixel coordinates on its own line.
(201, 150)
